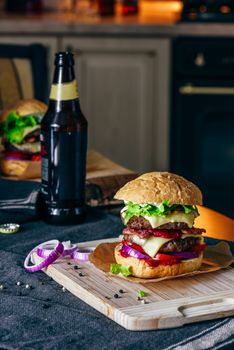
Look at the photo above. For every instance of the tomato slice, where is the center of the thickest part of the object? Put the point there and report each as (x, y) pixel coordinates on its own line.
(135, 246)
(166, 257)
(144, 233)
(36, 158)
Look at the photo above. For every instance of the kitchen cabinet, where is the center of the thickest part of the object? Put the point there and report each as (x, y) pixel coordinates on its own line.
(124, 93)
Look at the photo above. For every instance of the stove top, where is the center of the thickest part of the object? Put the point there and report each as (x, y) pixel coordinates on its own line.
(208, 11)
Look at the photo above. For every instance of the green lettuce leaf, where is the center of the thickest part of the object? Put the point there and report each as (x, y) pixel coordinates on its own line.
(163, 209)
(119, 268)
(141, 294)
(14, 126)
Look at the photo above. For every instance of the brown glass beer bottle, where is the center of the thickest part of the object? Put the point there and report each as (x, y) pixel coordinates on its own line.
(63, 149)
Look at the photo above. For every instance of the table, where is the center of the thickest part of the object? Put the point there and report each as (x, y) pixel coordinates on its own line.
(46, 317)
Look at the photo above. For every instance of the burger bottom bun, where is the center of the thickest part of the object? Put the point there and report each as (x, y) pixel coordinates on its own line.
(139, 268)
(24, 169)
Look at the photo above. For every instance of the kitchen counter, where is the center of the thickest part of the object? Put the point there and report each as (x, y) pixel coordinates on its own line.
(141, 25)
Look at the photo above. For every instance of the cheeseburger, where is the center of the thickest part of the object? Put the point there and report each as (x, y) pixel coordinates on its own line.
(20, 136)
(160, 239)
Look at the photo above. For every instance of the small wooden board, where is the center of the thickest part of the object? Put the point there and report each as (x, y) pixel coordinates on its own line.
(169, 303)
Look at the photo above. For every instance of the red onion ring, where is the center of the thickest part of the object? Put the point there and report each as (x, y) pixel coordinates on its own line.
(136, 254)
(81, 254)
(54, 255)
(133, 252)
(184, 255)
(44, 251)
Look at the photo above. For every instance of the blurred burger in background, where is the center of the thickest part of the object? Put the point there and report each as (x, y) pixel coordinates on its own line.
(20, 139)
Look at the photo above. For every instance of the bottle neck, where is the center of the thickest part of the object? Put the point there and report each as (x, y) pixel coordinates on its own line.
(64, 86)
(63, 74)
(58, 106)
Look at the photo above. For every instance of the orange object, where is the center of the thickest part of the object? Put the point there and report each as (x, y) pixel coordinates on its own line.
(216, 224)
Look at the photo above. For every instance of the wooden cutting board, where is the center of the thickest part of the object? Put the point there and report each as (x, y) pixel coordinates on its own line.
(169, 303)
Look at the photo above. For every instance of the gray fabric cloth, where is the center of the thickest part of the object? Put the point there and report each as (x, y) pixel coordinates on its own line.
(45, 317)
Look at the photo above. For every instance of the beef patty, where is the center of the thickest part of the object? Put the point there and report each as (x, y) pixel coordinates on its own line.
(175, 245)
(180, 245)
(139, 222)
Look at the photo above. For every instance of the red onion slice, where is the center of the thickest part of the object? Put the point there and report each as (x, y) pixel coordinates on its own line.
(54, 255)
(45, 250)
(184, 255)
(52, 250)
(81, 254)
(133, 252)
(136, 254)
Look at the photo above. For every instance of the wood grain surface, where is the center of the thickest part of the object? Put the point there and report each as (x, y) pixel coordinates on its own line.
(168, 303)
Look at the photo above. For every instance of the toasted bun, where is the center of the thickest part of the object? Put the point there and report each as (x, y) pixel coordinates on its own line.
(157, 187)
(139, 268)
(24, 169)
(26, 107)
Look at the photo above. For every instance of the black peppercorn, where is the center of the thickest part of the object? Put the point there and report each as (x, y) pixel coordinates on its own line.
(76, 267)
(121, 291)
(116, 296)
(81, 274)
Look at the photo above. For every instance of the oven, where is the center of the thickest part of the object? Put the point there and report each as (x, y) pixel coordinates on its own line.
(202, 118)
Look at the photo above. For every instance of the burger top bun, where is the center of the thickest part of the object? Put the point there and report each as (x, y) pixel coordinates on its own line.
(157, 187)
(26, 107)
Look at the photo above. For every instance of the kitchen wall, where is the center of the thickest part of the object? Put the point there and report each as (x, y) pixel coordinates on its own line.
(59, 5)
(2, 4)
(50, 5)
(125, 73)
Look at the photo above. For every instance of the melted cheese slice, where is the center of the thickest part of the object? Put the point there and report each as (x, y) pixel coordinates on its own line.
(150, 245)
(153, 244)
(176, 216)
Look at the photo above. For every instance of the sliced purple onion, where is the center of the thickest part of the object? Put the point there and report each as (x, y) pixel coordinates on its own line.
(55, 253)
(136, 254)
(185, 255)
(45, 251)
(16, 158)
(13, 158)
(71, 250)
(81, 254)
(133, 252)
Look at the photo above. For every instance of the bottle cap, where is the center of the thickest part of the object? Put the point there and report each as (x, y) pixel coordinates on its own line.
(9, 228)
(64, 58)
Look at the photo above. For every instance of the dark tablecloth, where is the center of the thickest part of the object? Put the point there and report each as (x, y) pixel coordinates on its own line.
(45, 317)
